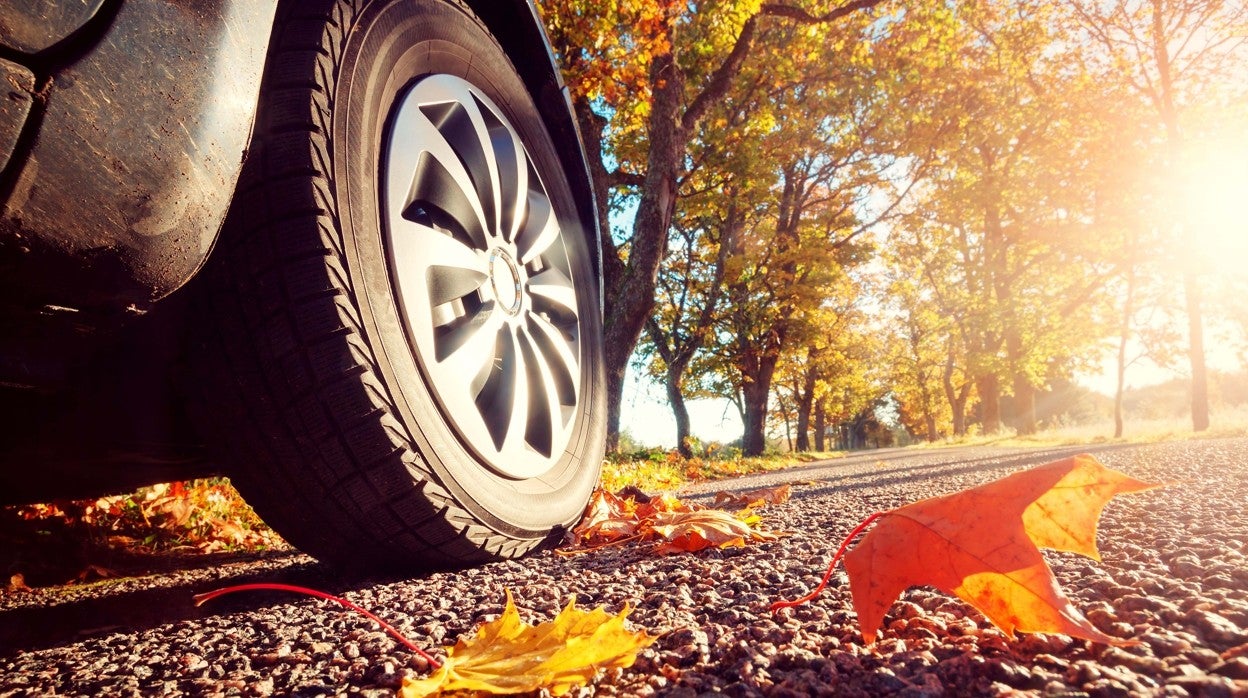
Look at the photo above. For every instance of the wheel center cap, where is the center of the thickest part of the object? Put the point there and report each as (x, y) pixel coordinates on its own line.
(505, 279)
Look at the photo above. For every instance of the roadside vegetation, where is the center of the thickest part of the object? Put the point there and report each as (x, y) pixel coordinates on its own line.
(87, 540)
(940, 215)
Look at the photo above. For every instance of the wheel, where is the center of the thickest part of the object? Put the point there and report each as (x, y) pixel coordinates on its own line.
(402, 350)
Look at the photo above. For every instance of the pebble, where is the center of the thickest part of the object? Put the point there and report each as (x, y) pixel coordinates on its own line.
(1172, 577)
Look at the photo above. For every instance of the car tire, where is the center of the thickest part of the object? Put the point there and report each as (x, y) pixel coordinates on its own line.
(401, 332)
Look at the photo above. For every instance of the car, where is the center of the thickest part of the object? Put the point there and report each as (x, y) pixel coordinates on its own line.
(344, 252)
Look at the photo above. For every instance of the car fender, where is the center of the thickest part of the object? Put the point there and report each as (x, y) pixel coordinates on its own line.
(130, 156)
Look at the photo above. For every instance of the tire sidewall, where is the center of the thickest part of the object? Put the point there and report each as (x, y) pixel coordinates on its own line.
(392, 45)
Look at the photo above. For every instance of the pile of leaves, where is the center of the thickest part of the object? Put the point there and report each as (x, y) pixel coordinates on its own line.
(671, 525)
(80, 540)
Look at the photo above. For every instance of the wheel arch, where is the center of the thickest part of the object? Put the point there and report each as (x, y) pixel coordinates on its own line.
(520, 32)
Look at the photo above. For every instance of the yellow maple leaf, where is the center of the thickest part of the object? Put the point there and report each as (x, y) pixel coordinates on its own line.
(511, 656)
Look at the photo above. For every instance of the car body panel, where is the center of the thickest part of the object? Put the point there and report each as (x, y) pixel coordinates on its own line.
(121, 196)
(33, 26)
(16, 108)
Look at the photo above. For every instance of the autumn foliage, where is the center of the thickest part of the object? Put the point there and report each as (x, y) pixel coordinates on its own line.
(201, 515)
(671, 525)
(83, 540)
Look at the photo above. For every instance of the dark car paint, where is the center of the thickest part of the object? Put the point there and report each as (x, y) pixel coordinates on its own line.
(34, 26)
(119, 182)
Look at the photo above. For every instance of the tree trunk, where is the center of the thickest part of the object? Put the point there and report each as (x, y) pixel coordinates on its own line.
(989, 403)
(592, 127)
(1191, 281)
(1124, 335)
(805, 402)
(803, 427)
(788, 421)
(1024, 405)
(630, 301)
(615, 397)
(1118, 393)
(957, 402)
(1196, 352)
(754, 437)
(676, 397)
(820, 425)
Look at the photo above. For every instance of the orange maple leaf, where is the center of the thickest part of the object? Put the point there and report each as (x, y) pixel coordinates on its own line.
(981, 544)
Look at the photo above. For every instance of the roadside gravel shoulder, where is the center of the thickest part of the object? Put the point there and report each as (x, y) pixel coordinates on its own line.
(1174, 575)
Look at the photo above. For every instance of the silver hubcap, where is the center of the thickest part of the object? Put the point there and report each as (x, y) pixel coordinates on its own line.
(482, 275)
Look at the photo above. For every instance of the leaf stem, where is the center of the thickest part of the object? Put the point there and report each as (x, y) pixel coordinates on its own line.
(831, 566)
(208, 596)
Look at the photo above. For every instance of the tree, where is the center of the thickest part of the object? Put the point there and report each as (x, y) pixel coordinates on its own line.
(1009, 198)
(1173, 53)
(689, 290)
(917, 355)
(830, 364)
(692, 56)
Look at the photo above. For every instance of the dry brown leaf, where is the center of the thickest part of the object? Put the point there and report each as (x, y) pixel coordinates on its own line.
(673, 525)
(690, 531)
(754, 498)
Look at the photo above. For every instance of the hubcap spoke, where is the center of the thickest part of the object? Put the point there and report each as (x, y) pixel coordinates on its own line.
(480, 265)
(553, 291)
(541, 228)
(451, 268)
(558, 357)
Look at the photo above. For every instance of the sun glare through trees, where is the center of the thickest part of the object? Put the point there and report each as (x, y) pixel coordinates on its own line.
(1216, 191)
(870, 221)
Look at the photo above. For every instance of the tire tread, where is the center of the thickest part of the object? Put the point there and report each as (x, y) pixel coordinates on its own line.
(289, 292)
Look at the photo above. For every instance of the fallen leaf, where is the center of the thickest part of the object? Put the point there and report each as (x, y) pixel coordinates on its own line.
(607, 518)
(671, 524)
(1240, 650)
(754, 498)
(510, 656)
(981, 546)
(17, 583)
(94, 572)
(690, 531)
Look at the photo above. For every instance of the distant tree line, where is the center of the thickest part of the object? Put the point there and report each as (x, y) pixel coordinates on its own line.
(812, 210)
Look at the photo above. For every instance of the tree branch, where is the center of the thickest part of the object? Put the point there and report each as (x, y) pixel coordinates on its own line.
(801, 15)
(721, 79)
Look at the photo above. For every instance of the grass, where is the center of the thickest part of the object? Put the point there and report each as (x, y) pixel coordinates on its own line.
(657, 470)
(1224, 423)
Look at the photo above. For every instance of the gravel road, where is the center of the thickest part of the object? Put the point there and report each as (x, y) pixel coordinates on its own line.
(1174, 575)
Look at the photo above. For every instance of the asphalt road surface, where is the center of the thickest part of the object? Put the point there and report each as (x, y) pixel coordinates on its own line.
(1174, 575)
